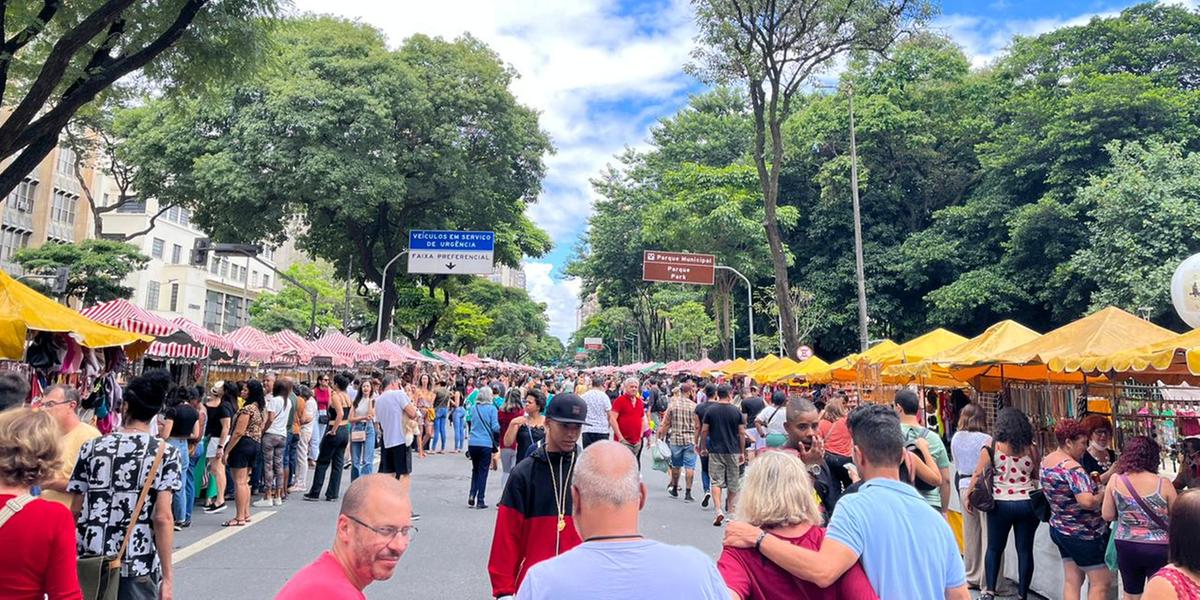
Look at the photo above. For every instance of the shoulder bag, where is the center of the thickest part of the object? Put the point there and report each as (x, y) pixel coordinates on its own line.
(13, 506)
(1150, 514)
(1037, 497)
(99, 575)
(980, 496)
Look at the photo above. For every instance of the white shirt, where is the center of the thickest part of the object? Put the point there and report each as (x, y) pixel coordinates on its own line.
(310, 408)
(389, 413)
(772, 418)
(966, 446)
(277, 405)
(598, 406)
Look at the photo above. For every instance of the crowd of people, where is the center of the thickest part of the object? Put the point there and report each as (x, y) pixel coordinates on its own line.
(820, 495)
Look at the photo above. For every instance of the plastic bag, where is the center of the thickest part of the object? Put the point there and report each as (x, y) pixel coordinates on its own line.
(662, 456)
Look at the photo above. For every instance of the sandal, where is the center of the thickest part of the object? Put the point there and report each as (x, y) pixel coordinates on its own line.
(233, 523)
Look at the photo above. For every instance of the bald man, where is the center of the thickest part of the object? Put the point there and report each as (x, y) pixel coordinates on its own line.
(615, 560)
(373, 530)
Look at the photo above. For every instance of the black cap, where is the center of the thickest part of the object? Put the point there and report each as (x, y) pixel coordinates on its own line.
(567, 408)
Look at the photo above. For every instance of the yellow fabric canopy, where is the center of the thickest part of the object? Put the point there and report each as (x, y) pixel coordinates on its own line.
(801, 370)
(762, 364)
(1000, 337)
(917, 350)
(844, 369)
(22, 308)
(1102, 333)
(737, 367)
(782, 365)
(1177, 353)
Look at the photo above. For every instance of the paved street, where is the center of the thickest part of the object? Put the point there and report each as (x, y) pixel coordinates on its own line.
(446, 561)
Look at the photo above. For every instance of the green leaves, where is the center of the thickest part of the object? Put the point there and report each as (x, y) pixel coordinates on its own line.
(97, 267)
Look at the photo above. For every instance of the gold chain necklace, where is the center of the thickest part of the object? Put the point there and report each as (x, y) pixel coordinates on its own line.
(560, 497)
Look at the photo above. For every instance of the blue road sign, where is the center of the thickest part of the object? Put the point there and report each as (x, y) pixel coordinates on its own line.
(468, 241)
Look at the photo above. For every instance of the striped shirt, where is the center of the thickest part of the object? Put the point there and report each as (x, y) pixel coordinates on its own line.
(682, 412)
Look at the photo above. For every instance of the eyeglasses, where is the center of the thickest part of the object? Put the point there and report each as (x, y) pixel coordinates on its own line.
(390, 533)
(39, 403)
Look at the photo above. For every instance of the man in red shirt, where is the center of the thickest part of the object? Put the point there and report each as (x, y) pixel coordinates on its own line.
(373, 530)
(630, 410)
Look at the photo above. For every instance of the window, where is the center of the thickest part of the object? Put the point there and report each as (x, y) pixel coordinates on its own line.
(224, 268)
(254, 279)
(133, 206)
(174, 297)
(212, 311)
(266, 280)
(156, 248)
(62, 207)
(268, 254)
(152, 289)
(176, 254)
(21, 198)
(12, 240)
(233, 313)
(179, 214)
(213, 267)
(66, 162)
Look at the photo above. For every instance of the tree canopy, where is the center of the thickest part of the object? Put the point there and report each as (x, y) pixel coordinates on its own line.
(97, 268)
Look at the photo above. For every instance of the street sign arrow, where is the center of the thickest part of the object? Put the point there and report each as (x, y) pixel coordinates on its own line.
(450, 266)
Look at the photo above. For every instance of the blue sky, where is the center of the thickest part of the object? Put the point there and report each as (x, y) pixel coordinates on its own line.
(602, 72)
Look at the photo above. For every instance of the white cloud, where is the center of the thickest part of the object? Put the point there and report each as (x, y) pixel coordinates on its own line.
(580, 64)
(985, 38)
(560, 295)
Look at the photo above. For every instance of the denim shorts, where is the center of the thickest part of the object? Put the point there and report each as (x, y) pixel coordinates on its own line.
(1086, 554)
(683, 456)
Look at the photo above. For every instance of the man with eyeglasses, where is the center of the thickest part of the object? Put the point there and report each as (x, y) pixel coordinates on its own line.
(374, 529)
(62, 403)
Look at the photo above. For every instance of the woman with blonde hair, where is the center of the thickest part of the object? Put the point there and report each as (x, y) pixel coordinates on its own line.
(37, 537)
(778, 497)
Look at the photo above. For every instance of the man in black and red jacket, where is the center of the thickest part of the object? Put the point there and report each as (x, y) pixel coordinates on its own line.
(534, 521)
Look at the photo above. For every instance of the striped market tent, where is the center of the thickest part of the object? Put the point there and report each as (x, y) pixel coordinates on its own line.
(250, 338)
(171, 339)
(307, 351)
(335, 341)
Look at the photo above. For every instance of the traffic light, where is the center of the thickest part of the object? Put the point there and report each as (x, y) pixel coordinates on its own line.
(200, 250)
(59, 285)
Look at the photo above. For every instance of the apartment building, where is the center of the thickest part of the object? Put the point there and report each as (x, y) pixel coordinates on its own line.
(48, 206)
(507, 276)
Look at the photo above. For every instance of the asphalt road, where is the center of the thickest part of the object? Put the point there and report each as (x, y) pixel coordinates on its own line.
(447, 560)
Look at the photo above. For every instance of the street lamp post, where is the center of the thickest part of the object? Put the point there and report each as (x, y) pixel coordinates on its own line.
(859, 271)
(382, 291)
(749, 304)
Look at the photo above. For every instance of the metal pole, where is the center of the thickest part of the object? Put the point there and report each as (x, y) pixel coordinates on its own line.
(382, 291)
(749, 304)
(346, 315)
(858, 243)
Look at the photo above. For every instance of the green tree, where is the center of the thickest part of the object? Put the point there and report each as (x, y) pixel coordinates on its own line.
(1145, 215)
(691, 329)
(291, 307)
(59, 56)
(469, 326)
(97, 267)
(359, 144)
(775, 49)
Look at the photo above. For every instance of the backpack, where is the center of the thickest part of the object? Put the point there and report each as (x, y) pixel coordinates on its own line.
(911, 446)
(658, 402)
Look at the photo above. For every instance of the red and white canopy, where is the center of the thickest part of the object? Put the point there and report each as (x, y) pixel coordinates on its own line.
(250, 341)
(335, 341)
(306, 350)
(123, 314)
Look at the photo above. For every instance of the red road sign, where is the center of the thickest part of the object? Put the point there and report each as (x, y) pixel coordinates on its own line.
(678, 267)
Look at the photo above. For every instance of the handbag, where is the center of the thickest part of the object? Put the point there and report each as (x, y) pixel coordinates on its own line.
(358, 435)
(100, 575)
(980, 496)
(1040, 505)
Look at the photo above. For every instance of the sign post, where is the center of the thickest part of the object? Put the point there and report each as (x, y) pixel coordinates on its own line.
(593, 343)
(451, 252)
(697, 269)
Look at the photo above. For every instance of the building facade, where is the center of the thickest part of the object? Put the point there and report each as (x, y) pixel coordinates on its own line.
(507, 276)
(48, 206)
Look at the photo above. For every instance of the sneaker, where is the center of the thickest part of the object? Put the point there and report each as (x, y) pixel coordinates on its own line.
(416, 516)
(471, 502)
(278, 502)
(186, 524)
(480, 505)
(720, 519)
(706, 500)
(687, 497)
(212, 510)
(673, 491)
(264, 503)
(178, 526)
(308, 498)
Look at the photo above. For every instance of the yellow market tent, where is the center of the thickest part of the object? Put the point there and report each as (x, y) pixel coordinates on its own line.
(23, 309)
(782, 365)
(1000, 337)
(762, 364)
(801, 370)
(738, 367)
(845, 369)
(1102, 333)
(1178, 355)
(918, 349)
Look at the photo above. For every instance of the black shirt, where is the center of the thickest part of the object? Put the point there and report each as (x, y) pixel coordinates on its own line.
(723, 421)
(751, 406)
(1091, 465)
(183, 419)
(215, 414)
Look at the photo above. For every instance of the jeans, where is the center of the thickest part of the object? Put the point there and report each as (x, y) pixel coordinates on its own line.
(318, 433)
(704, 479)
(289, 458)
(1015, 515)
(333, 450)
(459, 431)
(180, 508)
(439, 428)
(481, 461)
(362, 454)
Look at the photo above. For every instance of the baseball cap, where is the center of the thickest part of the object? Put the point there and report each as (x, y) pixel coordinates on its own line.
(567, 408)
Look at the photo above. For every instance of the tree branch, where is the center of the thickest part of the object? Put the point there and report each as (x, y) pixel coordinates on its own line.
(150, 226)
(19, 40)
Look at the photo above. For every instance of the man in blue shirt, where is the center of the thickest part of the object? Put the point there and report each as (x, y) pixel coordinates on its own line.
(906, 547)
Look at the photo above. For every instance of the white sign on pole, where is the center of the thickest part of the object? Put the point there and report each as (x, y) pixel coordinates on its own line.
(593, 343)
(803, 353)
(1185, 290)
(451, 252)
